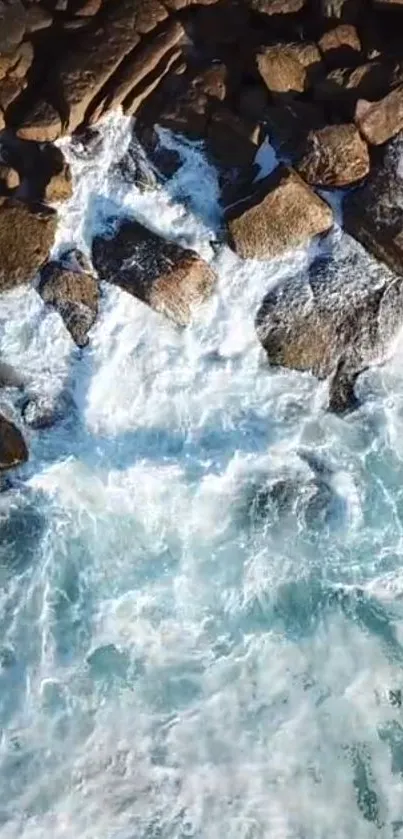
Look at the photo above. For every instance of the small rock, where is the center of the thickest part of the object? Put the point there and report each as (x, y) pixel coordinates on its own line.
(74, 293)
(335, 156)
(13, 449)
(283, 213)
(26, 236)
(41, 123)
(341, 46)
(162, 274)
(9, 177)
(382, 120)
(89, 8)
(60, 186)
(42, 412)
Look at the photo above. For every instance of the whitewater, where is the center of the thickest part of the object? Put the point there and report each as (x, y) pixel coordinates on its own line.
(201, 602)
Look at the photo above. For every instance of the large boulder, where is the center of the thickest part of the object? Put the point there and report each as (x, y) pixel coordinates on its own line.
(373, 214)
(169, 278)
(379, 121)
(288, 68)
(334, 320)
(26, 236)
(335, 156)
(281, 214)
(73, 292)
(13, 449)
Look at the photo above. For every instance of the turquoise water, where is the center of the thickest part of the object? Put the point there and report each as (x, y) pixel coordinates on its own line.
(201, 601)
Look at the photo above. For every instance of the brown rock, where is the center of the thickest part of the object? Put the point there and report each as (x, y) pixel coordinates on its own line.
(60, 186)
(168, 278)
(37, 18)
(133, 102)
(89, 8)
(9, 177)
(380, 121)
(12, 25)
(10, 89)
(41, 123)
(341, 46)
(282, 214)
(26, 236)
(335, 156)
(22, 61)
(13, 449)
(2, 120)
(287, 68)
(73, 292)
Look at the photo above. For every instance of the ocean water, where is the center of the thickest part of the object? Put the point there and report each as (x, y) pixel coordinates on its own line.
(201, 568)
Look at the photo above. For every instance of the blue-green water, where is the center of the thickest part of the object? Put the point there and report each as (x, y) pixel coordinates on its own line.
(201, 587)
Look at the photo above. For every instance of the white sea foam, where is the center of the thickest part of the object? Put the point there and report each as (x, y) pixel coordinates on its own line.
(192, 649)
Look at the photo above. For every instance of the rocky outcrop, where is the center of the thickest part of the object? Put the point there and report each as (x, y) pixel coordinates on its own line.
(334, 320)
(281, 214)
(13, 449)
(26, 236)
(335, 156)
(169, 278)
(73, 292)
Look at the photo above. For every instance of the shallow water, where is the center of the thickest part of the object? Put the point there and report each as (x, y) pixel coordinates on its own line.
(201, 602)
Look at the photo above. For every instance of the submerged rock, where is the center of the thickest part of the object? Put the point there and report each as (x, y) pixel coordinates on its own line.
(171, 279)
(13, 449)
(45, 410)
(73, 292)
(26, 236)
(282, 213)
(334, 320)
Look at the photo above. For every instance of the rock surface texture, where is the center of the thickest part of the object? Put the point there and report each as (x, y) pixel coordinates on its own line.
(169, 278)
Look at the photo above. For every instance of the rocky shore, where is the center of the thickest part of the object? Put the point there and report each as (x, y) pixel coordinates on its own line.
(321, 80)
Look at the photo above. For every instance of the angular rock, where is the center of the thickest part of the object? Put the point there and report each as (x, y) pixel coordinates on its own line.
(341, 46)
(283, 213)
(89, 8)
(13, 449)
(334, 320)
(373, 214)
(170, 279)
(343, 87)
(288, 68)
(41, 123)
(73, 292)
(26, 236)
(44, 411)
(335, 156)
(379, 121)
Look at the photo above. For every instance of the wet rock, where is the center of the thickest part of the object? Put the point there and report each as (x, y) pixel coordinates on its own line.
(270, 221)
(74, 293)
(166, 161)
(334, 320)
(288, 68)
(288, 126)
(26, 236)
(341, 46)
(162, 274)
(134, 168)
(335, 156)
(13, 449)
(46, 410)
(373, 214)
(379, 121)
(21, 528)
(10, 377)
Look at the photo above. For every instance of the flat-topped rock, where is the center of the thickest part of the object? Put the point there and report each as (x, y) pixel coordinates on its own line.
(379, 121)
(335, 156)
(288, 68)
(171, 279)
(281, 214)
(26, 237)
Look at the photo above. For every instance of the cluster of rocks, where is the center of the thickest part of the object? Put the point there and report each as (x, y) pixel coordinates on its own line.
(321, 79)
